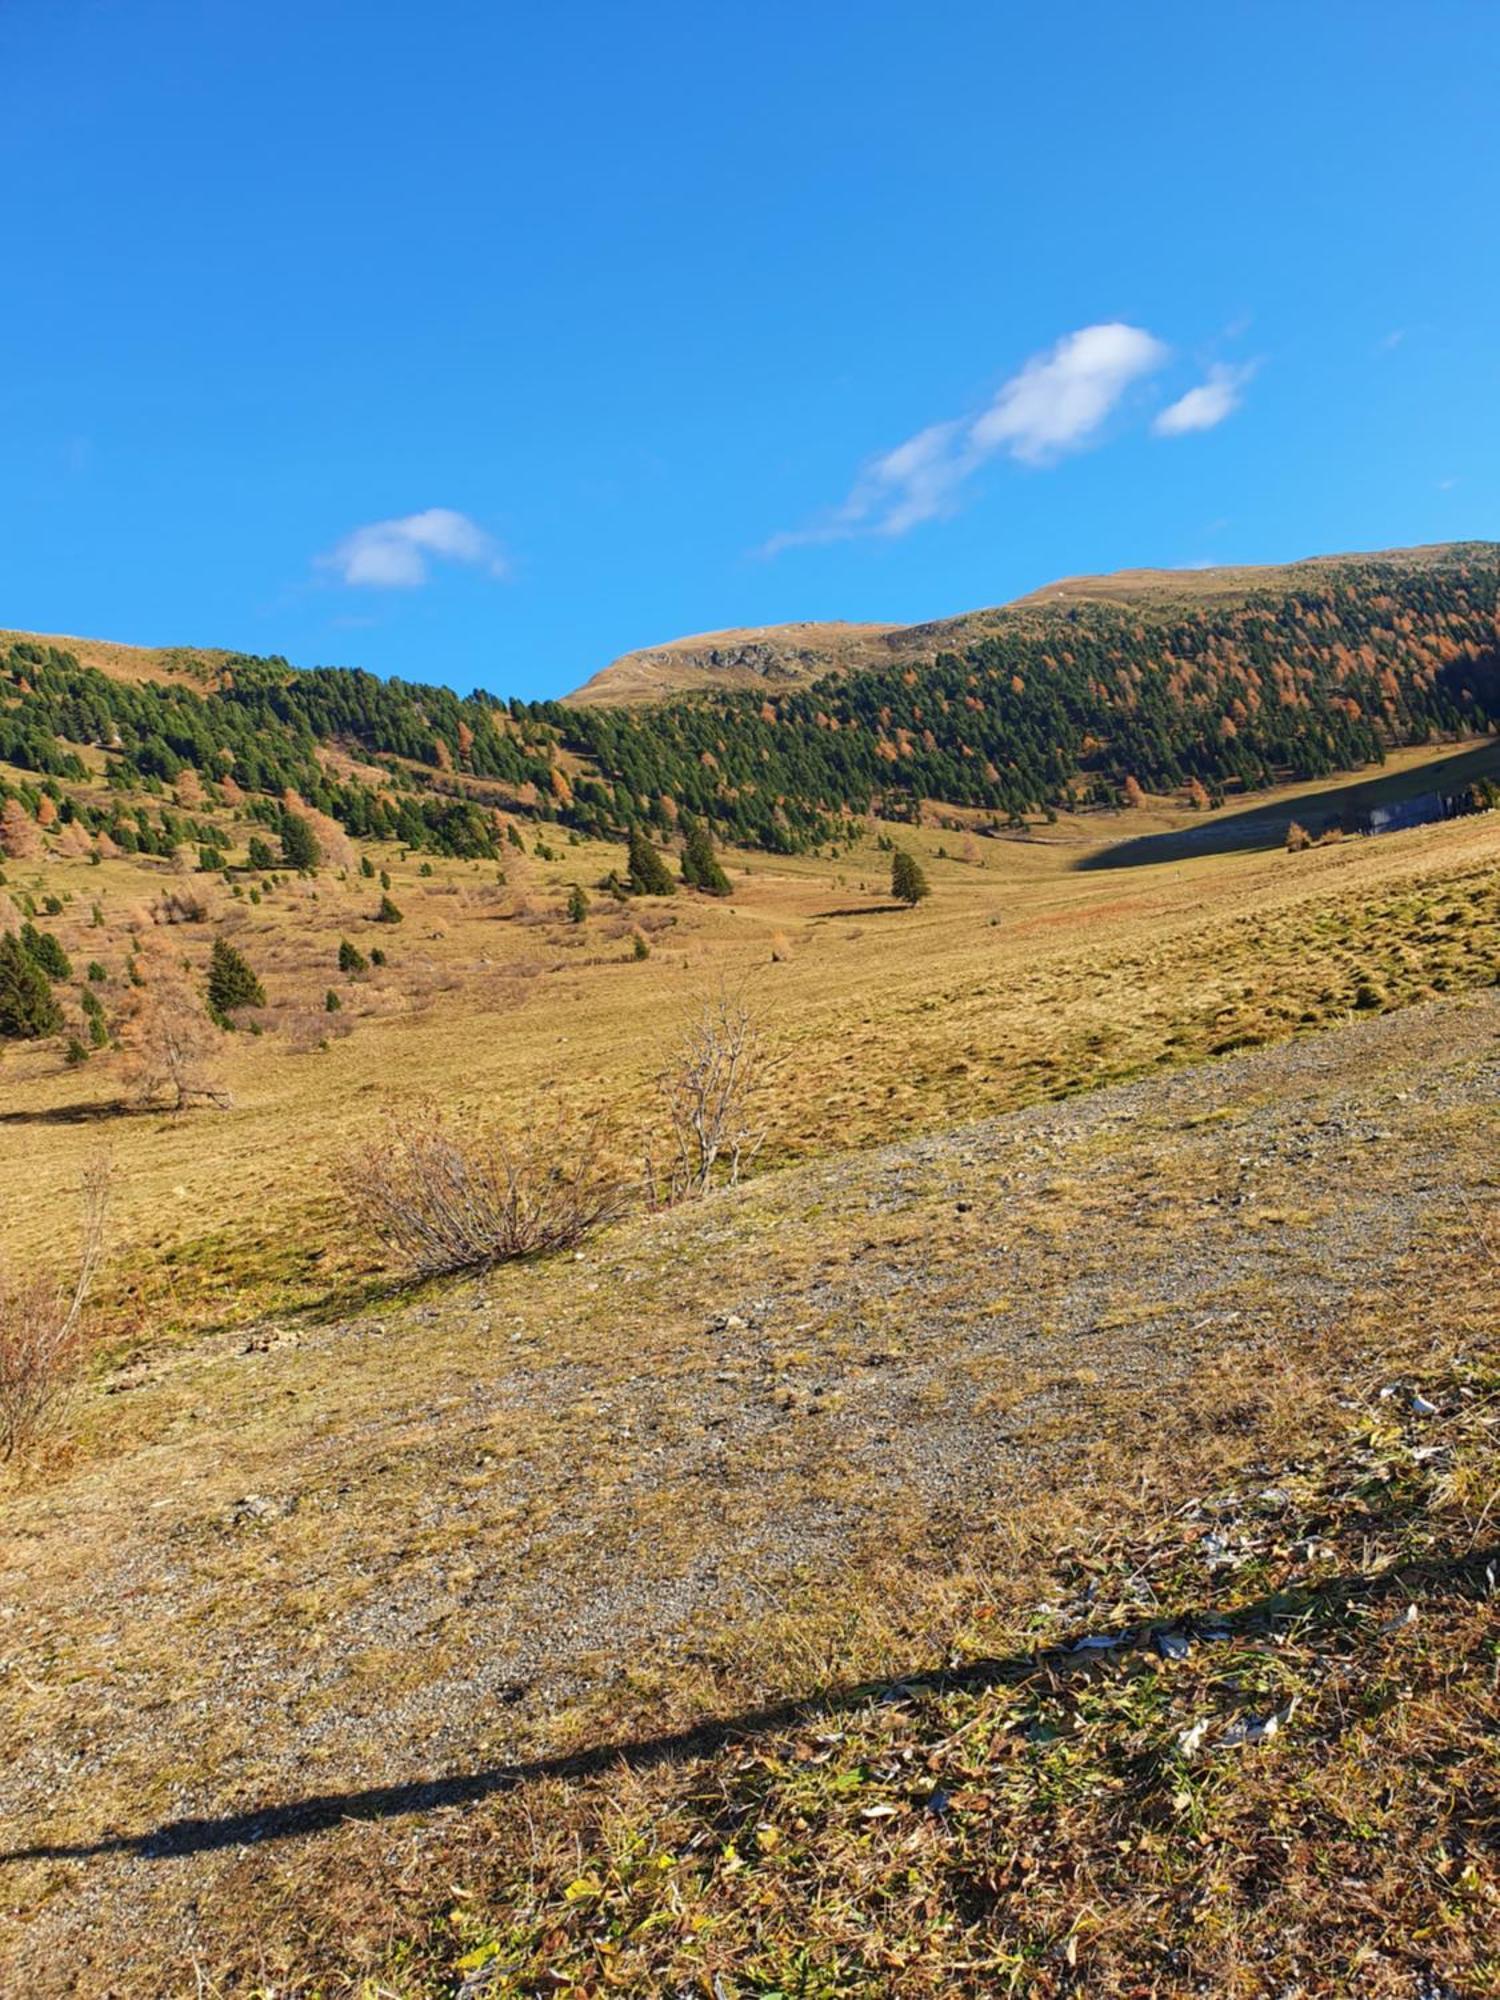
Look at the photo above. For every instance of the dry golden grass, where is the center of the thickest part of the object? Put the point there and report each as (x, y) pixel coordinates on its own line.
(191, 664)
(1024, 978)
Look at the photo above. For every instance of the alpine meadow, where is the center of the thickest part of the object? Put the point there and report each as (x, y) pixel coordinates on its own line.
(808, 1314)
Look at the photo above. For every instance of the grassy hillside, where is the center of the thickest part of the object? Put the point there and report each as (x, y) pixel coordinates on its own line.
(767, 657)
(1027, 975)
(1010, 717)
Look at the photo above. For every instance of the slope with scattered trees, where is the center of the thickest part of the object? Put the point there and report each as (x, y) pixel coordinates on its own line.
(1074, 702)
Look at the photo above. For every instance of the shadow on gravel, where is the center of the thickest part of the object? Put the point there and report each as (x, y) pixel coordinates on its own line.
(1472, 1574)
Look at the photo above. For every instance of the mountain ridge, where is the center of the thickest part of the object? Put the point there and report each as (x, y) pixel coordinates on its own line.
(780, 657)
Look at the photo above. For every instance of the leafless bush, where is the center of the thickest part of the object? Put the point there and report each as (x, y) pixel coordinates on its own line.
(305, 1029)
(444, 1195)
(180, 906)
(40, 1320)
(712, 1093)
(171, 1047)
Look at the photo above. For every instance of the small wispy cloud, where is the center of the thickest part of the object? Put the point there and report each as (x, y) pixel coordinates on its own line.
(1207, 405)
(1056, 404)
(398, 554)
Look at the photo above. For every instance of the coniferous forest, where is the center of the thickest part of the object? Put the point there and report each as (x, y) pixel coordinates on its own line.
(1066, 706)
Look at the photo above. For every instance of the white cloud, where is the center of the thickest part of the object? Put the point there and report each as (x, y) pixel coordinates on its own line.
(397, 554)
(1209, 404)
(1059, 400)
(1056, 404)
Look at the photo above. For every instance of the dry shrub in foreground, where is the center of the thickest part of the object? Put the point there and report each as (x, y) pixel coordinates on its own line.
(40, 1329)
(448, 1196)
(712, 1092)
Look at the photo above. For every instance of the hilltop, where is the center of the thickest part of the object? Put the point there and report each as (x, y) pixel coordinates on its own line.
(193, 666)
(775, 657)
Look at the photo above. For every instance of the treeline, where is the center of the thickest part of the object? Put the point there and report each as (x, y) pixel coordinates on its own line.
(1071, 707)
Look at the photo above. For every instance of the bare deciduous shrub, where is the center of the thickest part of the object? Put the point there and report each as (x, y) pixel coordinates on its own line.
(305, 1029)
(712, 1092)
(171, 1047)
(40, 1319)
(448, 1195)
(180, 906)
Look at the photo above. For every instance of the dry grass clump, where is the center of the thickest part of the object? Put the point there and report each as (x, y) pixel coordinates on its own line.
(40, 1330)
(446, 1196)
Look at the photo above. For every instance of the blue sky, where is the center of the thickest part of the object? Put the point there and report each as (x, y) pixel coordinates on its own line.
(481, 343)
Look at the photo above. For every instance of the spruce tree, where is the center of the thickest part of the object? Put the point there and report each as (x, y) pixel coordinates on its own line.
(387, 913)
(647, 872)
(27, 1008)
(259, 856)
(45, 952)
(231, 983)
(700, 865)
(298, 843)
(351, 958)
(908, 883)
(578, 905)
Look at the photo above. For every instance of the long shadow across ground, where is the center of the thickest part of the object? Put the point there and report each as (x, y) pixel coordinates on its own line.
(1320, 1606)
(1265, 825)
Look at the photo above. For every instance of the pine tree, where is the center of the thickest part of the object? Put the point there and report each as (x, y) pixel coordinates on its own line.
(231, 983)
(387, 913)
(700, 865)
(27, 1008)
(259, 856)
(578, 905)
(647, 872)
(298, 844)
(351, 958)
(44, 951)
(908, 883)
